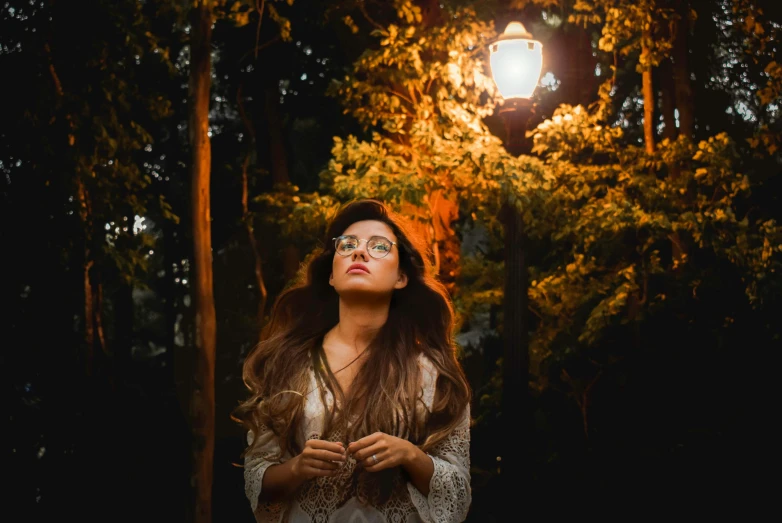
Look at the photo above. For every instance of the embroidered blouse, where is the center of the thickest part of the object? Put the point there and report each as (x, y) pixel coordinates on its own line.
(338, 499)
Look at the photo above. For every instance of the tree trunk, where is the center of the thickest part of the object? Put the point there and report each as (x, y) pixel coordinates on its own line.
(279, 160)
(444, 210)
(97, 312)
(431, 12)
(665, 76)
(433, 224)
(648, 92)
(684, 103)
(123, 329)
(247, 218)
(681, 72)
(279, 169)
(169, 294)
(87, 268)
(576, 66)
(89, 335)
(92, 314)
(670, 131)
(202, 406)
(291, 260)
(263, 294)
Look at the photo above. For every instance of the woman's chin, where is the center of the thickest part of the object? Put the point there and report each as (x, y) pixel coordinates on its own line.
(363, 293)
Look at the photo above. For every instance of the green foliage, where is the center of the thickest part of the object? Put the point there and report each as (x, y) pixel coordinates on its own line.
(759, 34)
(422, 94)
(481, 276)
(624, 237)
(621, 238)
(282, 22)
(626, 25)
(109, 116)
(301, 218)
(238, 12)
(615, 222)
(573, 135)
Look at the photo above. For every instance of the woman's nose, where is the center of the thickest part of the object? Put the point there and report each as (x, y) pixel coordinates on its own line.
(360, 251)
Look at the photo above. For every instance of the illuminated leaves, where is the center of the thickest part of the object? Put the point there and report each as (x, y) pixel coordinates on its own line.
(408, 11)
(350, 23)
(613, 212)
(573, 134)
(239, 12)
(772, 92)
(627, 25)
(610, 215)
(283, 23)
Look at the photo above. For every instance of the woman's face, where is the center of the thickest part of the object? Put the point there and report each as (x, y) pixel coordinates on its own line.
(358, 272)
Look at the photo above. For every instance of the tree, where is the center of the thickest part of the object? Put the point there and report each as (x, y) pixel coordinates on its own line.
(201, 17)
(76, 135)
(423, 94)
(422, 136)
(603, 214)
(202, 401)
(655, 277)
(629, 27)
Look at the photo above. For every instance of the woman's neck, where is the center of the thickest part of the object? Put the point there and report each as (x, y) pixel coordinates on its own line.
(358, 323)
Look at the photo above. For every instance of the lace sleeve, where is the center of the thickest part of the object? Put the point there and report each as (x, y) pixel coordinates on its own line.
(255, 465)
(449, 489)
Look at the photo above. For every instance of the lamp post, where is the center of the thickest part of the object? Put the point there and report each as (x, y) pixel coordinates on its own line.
(516, 62)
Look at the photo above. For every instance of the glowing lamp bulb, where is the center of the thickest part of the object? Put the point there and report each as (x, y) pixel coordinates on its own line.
(516, 61)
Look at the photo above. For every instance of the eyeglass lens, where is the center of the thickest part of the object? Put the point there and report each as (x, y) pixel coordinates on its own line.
(378, 247)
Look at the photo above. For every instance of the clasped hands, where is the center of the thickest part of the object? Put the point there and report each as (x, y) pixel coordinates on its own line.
(325, 458)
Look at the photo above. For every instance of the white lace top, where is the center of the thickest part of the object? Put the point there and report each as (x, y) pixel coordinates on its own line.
(334, 499)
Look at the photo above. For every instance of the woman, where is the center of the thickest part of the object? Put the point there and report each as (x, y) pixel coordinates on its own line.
(358, 408)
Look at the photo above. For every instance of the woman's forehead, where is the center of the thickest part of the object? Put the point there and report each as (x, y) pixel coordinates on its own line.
(368, 228)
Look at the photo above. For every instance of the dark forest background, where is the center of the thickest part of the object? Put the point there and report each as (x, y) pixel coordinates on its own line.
(655, 252)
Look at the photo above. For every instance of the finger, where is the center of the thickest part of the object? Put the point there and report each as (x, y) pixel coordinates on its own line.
(316, 462)
(364, 442)
(325, 455)
(323, 465)
(383, 462)
(364, 453)
(333, 446)
(312, 471)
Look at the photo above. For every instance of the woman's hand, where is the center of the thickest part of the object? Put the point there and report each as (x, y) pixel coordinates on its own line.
(379, 451)
(318, 458)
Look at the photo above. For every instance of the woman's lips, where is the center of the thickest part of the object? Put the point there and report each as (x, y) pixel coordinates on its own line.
(357, 268)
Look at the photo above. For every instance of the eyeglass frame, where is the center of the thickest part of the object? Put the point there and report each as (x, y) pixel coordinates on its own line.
(359, 240)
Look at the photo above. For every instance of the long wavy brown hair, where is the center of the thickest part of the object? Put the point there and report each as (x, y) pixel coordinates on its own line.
(420, 320)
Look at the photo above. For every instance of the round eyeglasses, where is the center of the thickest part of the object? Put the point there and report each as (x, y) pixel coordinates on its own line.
(377, 246)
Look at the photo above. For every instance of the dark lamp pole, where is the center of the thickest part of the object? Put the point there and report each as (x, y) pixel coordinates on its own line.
(516, 62)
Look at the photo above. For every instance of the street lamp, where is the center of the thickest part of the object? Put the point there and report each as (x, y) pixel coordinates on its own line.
(516, 60)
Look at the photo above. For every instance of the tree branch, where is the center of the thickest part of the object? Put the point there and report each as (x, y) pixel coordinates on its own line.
(55, 78)
(259, 48)
(428, 85)
(400, 95)
(364, 12)
(259, 9)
